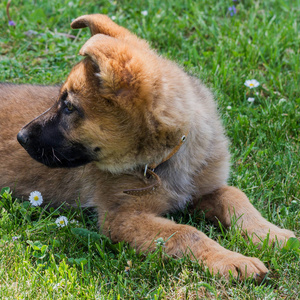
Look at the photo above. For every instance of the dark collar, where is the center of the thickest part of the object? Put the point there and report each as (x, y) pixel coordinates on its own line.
(150, 172)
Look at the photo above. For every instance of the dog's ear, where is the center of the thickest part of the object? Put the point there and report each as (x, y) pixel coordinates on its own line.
(121, 67)
(98, 23)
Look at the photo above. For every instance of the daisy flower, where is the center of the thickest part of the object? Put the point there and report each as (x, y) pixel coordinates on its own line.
(144, 13)
(61, 221)
(35, 198)
(251, 100)
(252, 83)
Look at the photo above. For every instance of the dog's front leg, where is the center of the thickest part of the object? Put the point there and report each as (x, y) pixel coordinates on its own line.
(141, 230)
(229, 202)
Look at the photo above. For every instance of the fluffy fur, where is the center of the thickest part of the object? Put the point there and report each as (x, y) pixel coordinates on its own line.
(121, 108)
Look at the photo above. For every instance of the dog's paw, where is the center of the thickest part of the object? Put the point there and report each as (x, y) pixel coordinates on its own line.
(238, 266)
(274, 234)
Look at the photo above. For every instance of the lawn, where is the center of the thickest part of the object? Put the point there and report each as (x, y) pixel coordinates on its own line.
(223, 46)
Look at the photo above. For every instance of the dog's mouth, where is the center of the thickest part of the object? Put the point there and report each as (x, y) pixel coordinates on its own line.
(59, 154)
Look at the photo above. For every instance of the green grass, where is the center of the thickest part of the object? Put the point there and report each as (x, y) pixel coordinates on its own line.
(261, 41)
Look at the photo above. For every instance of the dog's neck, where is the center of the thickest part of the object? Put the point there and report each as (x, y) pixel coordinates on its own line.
(174, 151)
(150, 171)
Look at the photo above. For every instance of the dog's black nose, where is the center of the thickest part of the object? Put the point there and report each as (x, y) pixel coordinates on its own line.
(22, 137)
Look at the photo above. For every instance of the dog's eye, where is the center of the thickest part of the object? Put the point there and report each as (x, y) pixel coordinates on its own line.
(69, 107)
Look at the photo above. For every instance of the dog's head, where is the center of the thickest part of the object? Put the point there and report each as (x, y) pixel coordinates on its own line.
(114, 109)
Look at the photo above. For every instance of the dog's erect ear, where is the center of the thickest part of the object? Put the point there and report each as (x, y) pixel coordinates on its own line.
(103, 24)
(121, 69)
(100, 24)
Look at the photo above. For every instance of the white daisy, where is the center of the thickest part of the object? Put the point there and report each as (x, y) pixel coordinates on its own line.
(252, 83)
(61, 221)
(250, 99)
(144, 13)
(113, 17)
(229, 107)
(35, 198)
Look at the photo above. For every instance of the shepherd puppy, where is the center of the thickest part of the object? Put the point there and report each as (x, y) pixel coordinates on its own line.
(136, 137)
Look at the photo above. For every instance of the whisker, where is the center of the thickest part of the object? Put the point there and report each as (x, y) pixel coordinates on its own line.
(55, 155)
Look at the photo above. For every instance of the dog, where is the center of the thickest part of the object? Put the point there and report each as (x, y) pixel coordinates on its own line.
(130, 133)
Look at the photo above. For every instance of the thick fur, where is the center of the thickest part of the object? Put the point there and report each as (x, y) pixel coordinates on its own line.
(121, 108)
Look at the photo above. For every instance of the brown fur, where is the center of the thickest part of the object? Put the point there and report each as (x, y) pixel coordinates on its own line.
(136, 107)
